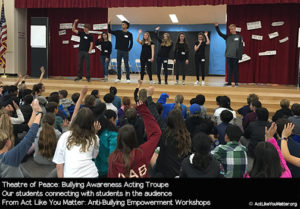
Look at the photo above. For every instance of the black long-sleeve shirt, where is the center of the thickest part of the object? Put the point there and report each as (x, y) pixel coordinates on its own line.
(106, 47)
(122, 39)
(164, 51)
(181, 52)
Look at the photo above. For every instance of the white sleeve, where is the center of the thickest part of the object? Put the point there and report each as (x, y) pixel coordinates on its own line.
(59, 155)
(20, 119)
(96, 148)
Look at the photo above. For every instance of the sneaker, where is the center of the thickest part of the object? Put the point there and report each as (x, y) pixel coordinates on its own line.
(183, 83)
(152, 82)
(176, 83)
(117, 80)
(203, 83)
(105, 79)
(227, 84)
(128, 81)
(77, 79)
(88, 79)
(166, 82)
(236, 85)
(196, 83)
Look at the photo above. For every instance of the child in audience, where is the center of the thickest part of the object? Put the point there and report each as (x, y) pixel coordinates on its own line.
(232, 155)
(284, 112)
(251, 116)
(201, 164)
(246, 109)
(108, 141)
(125, 106)
(295, 119)
(64, 102)
(74, 98)
(226, 117)
(268, 159)
(26, 108)
(168, 107)
(224, 105)
(130, 160)
(117, 100)
(90, 102)
(52, 107)
(46, 140)
(96, 94)
(10, 106)
(108, 99)
(11, 157)
(200, 100)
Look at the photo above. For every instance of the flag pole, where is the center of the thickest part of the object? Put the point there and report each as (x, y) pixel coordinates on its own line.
(4, 75)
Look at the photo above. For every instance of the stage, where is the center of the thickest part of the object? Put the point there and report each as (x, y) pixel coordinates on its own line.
(270, 95)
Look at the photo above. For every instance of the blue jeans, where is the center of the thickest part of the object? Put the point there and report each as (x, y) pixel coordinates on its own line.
(124, 55)
(233, 67)
(104, 64)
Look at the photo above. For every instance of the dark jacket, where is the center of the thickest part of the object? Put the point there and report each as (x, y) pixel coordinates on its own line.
(284, 112)
(196, 124)
(138, 126)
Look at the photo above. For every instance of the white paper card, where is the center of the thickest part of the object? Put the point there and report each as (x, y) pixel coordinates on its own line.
(276, 24)
(62, 32)
(76, 46)
(299, 38)
(245, 58)
(273, 35)
(75, 38)
(95, 32)
(63, 26)
(100, 26)
(257, 37)
(65, 42)
(93, 51)
(267, 53)
(98, 47)
(80, 25)
(253, 25)
(238, 29)
(284, 40)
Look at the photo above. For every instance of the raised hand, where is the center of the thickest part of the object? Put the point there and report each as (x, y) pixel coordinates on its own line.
(84, 91)
(97, 126)
(287, 131)
(139, 103)
(42, 69)
(76, 20)
(157, 28)
(205, 33)
(269, 133)
(65, 123)
(140, 31)
(36, 106)
(216, 24)
(150, 91)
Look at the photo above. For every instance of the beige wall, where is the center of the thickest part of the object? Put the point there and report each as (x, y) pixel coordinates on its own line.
(16, 54)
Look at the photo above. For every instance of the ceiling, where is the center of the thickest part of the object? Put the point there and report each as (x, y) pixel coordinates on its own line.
(160, 15)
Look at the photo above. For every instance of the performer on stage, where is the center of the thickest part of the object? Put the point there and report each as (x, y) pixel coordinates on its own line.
(147, 55)
(105, 48)
(199, 48)
(181, 57)
(85, 48)
(123, 37)
(166, 45)
(234, 52)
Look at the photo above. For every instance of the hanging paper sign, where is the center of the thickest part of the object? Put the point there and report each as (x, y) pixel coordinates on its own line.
(253, 25)
(93, 51)
(75, 38)
(95, 32)
(63, 26)
(98, 47)
(66, 42)
(257, 37)
(284, 40)
(76, 46)
(245, 58)
(267, 53)
(62, 32)
(100, 26)
(276, 24)
(273, 35)
(80, 25)
(238, 29)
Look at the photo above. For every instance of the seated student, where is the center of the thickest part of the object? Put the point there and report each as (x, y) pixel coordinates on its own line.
(54, 97)
(250, 117)
(289, 148)
(226, 117)
(90, 102)
(232, 155)
(108, 99)
(74, 98)
(26, 108)
(52, 107)
(130, 160)
(179, 101)
(11, 157)
(96, 94)
(108, 140)
(175, 145)
(117, 100)
(246, 109)
(218, 98)
(200, 100)
(99, 110)
(256, 130)
(201, 164)
(268, 159)
(224, 105)
(10, 106)
(64, 102)
(46, 140)
(195, 123)
(284, 112)
(295, 119)
(125, 106)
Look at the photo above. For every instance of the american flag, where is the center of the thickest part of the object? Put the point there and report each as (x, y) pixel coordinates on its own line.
(3, 37)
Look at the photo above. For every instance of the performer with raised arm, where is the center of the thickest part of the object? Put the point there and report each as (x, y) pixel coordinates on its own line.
(234, 52)
(166, 45)
(105, 48)
(124, 43)
(199, 49)
(85, 48)
(147, 54)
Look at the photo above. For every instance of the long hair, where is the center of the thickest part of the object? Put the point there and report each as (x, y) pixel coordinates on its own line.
(83, 130)
(225, 102)
(177, 131)
(105, 122)
(126, 142)
(201, 144)
(148, 40)
(167, 42)
(178, 41)
(6, 125)
(266, 162)
(106, 36)
(3, 138)
(126, 102)
(47, 139)
(37, 88)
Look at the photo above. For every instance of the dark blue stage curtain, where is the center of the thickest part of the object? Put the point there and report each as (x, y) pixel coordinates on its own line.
(281, 68)
(136, 3)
